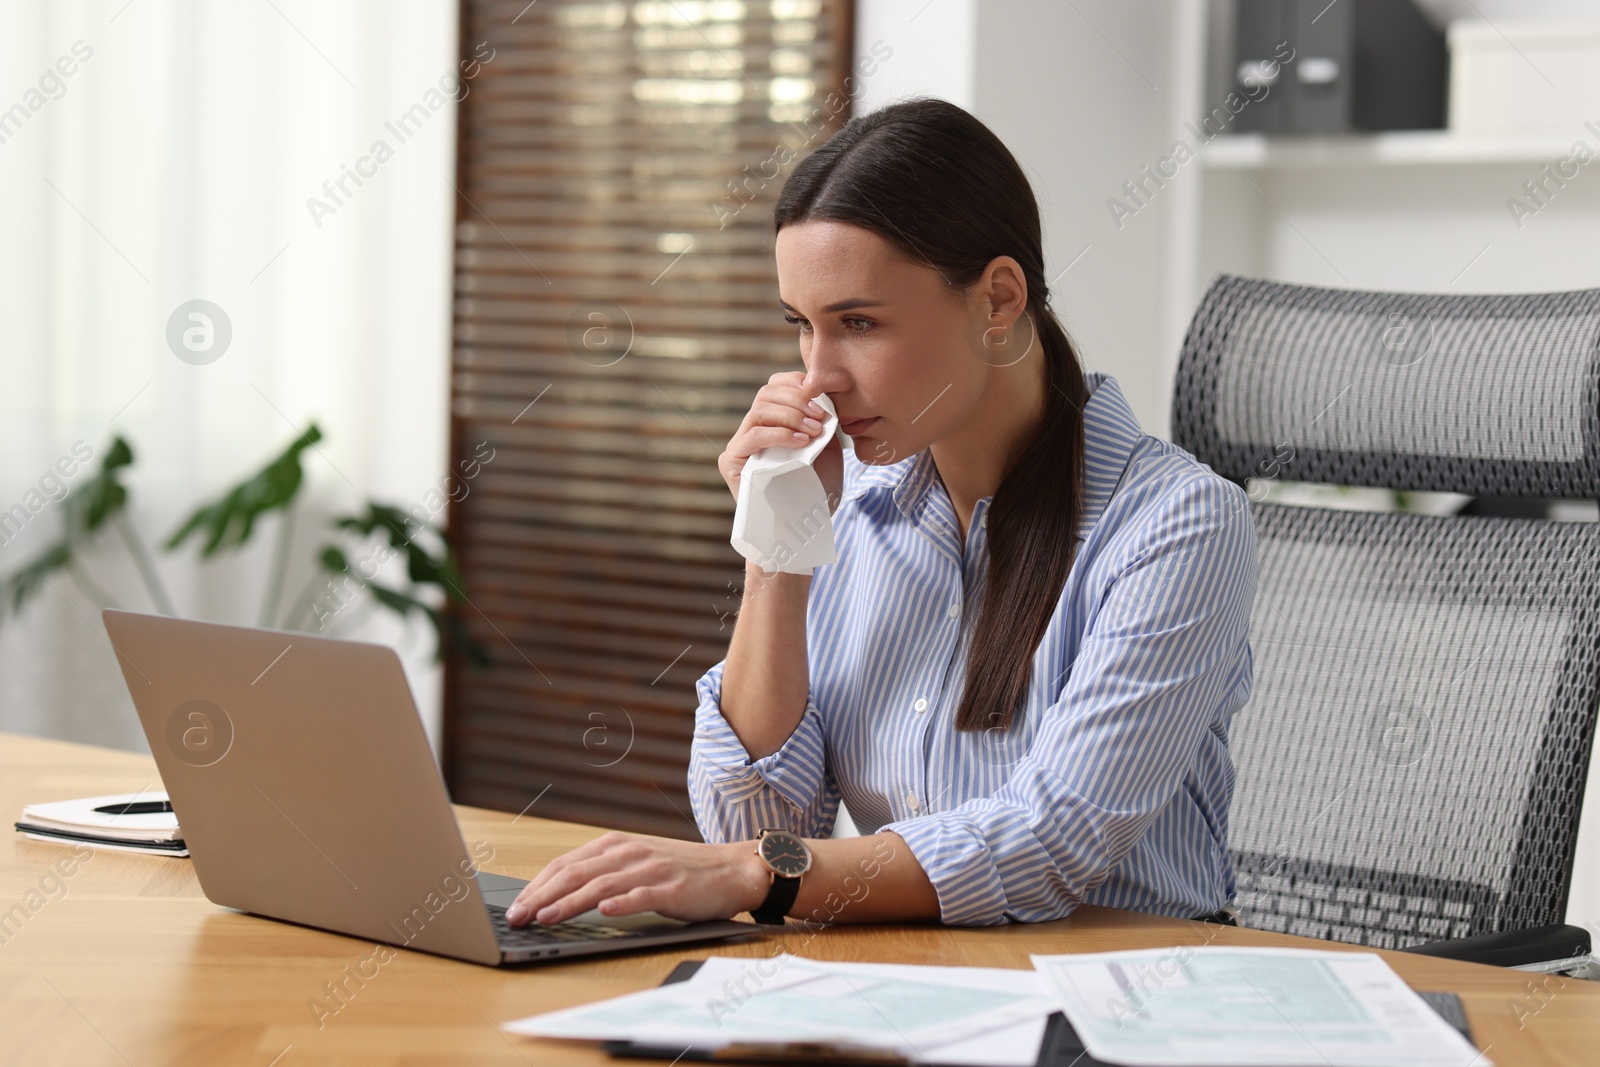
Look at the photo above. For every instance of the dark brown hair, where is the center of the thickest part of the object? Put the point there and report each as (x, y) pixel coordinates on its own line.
(940, 187)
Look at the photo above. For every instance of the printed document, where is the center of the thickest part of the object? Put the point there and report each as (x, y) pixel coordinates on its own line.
(915, 1012)
(1191, 1006)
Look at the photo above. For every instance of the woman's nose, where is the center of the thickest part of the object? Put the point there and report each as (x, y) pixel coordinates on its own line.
(823, 377)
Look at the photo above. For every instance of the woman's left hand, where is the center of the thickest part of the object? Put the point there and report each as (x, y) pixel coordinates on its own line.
(622, 873)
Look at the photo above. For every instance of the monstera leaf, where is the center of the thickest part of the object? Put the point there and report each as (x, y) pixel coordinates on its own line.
(24, 583)
(102, 497)
(421, 566)
(447, 626)
(85, 510)
(229, 521)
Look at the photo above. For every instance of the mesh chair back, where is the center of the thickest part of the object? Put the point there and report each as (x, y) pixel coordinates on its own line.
(1411, 764)
(1486, 395)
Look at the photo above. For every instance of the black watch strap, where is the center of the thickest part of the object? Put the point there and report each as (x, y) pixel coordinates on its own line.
(780, 898)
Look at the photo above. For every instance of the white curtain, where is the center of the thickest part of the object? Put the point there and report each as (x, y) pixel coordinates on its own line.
(154, 153)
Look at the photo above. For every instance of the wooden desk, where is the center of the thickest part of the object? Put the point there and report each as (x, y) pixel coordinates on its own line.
(127, 963)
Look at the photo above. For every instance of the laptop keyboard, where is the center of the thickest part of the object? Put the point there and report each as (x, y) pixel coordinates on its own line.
(535, 934)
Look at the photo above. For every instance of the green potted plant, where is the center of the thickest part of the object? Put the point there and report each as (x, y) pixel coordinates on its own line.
(99, 507)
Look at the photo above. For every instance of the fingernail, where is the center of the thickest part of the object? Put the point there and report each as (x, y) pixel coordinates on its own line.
(801, 436)
(815, 408)
(516, 912)
(549, 913)
(811, 424)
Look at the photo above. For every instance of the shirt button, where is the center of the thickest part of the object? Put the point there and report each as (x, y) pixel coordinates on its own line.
(921, 705)
(912, 802)
(953, 611)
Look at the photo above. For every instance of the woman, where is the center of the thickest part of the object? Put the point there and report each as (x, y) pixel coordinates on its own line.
(1017, 719)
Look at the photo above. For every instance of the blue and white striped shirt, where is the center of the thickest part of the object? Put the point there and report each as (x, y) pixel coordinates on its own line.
(1112, 785)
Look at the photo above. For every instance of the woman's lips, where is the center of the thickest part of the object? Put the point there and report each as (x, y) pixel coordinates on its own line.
(854, 427)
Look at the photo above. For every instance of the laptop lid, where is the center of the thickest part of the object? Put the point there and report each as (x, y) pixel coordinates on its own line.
(303, 781)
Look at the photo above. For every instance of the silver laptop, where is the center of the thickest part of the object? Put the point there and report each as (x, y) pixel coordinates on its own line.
(306, 791)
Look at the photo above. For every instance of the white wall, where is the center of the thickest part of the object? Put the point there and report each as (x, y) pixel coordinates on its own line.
(1434, 227)
(1082, 94)
(932, 43)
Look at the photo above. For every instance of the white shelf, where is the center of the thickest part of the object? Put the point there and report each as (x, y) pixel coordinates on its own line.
(1404, 148)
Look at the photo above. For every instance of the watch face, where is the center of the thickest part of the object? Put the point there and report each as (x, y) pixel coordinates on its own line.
(785, 853)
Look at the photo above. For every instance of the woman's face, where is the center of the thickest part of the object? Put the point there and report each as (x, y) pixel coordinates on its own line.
(885, 338)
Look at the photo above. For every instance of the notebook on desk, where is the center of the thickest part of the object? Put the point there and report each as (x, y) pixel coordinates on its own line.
(1059, 1047)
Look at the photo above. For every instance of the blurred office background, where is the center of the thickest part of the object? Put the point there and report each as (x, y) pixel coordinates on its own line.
(538, 311)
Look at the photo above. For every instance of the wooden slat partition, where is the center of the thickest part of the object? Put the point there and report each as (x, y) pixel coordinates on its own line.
(615, 311)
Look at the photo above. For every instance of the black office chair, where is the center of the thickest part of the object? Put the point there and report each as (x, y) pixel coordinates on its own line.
(1411, 763)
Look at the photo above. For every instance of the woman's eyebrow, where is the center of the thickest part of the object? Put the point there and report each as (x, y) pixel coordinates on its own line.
(843, 305)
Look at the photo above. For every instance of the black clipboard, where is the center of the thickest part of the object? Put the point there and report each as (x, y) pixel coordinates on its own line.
(1060, 1046)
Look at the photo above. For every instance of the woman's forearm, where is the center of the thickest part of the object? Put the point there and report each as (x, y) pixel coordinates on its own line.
(765, 681)
(873, 878)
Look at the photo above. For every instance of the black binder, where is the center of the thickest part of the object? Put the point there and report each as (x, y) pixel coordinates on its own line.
(1059, 1048)
(1358, 65)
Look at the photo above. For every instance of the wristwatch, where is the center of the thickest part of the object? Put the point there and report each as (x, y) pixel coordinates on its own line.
(787, 857)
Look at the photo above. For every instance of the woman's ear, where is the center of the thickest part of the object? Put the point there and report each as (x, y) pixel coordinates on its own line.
(1003, 291)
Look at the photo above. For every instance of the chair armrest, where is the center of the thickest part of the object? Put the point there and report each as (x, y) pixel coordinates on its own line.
(1513, 948)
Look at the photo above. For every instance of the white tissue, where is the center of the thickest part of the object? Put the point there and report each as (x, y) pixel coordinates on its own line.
(782, 520)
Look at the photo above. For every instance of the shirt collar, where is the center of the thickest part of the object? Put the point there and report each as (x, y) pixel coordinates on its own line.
(1110, 434)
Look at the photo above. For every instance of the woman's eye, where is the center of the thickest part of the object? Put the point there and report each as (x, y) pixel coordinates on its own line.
(801, 324)
(858, 325)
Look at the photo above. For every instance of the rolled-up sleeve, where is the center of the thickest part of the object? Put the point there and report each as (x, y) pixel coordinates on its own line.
(1164, 648)
(734, 797)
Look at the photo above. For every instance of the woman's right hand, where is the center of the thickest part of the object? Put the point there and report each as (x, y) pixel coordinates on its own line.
(782, 414)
